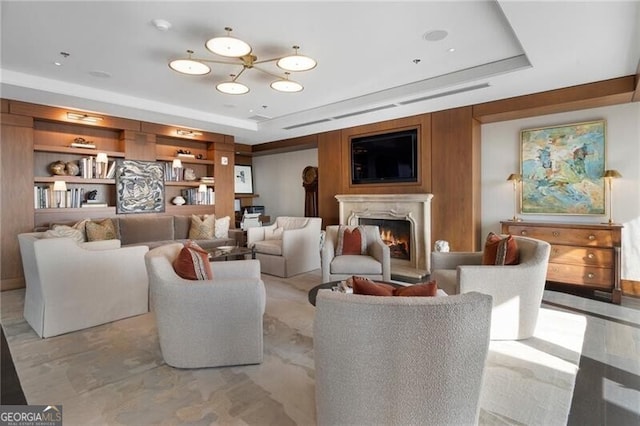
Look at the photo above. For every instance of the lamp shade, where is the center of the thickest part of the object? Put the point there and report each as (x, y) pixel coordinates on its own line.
(514, 176)
(286, 86)
(232, 88)
(177, 163)
(59, 185)
(190, 67)
(612, 174)
(202, 188)
(230, 47)
(101, 157)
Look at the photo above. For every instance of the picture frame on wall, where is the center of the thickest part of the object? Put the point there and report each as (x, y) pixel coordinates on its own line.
(562, 169)
(243, 179)
(139, 187)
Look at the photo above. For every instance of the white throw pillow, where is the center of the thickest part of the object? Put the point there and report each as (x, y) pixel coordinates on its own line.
(222, 227)
(63, 231)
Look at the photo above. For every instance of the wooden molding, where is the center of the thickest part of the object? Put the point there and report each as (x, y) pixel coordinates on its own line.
(636, 92)
(286, 145)
(171, 131)
(630, 288)
(591, 95)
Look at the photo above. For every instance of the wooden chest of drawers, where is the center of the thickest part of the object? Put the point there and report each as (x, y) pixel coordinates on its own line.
(581, 254)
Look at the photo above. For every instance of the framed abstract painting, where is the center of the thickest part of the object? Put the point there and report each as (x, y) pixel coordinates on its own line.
(139, 187)
(562, 169)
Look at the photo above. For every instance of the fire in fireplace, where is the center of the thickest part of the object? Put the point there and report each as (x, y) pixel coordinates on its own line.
(396, 234)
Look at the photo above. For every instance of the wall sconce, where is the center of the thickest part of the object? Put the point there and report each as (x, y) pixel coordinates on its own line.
(59, 188)
(101, 165)
(515, 178)
(189, 133)
(84, 117)
(610, 175)
(177, 168)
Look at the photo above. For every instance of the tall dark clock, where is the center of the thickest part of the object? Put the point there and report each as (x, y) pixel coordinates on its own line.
(310, 183)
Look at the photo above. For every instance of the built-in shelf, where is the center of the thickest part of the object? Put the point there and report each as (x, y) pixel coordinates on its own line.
(246, 195)
(109, 210)
(73, 179)
(187, 160)
(189, 183)
(80, 151)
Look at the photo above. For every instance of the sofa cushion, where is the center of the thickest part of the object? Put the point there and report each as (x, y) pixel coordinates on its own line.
(287, 222)
(138, 229)
(429, 289)
(221, 228)
(273, 247)
(500, 251)
(365, 286)
(351, 241)
(103, 230)
(347, 264)
(202, 229)
(181, 225)
(273, 234)
(64, 231)
(192, 263)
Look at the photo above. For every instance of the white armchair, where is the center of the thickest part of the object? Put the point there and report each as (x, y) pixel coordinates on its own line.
(207, 323)
(399, 360)
(290, 246)
(71, 286)
(516, 289)
(376, 264)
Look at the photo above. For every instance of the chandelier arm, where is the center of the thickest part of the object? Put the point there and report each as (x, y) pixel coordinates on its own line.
(264, 61)
(238, 75)
(213, 61)
(267, 72)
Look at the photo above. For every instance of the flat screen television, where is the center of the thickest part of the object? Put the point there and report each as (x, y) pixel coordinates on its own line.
(385, 158)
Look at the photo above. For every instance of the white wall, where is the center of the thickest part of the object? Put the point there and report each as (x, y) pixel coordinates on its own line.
(501, 156)
(278, 180)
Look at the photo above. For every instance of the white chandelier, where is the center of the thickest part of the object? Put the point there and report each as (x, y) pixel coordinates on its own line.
(231, 47)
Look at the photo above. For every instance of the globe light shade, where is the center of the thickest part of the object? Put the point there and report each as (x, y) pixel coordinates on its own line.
(232, 88)
(189, 66)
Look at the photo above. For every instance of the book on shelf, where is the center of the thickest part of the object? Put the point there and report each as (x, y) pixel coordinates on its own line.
(111, 173)
(44, 197)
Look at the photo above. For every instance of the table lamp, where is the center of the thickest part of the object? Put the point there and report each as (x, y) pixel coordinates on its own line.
(610, 175)
(59, 188)
(515, 178)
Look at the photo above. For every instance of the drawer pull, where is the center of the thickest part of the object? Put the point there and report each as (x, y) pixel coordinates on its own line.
(591, 275)
(556, 234)
(591, 255)
(592, 237)
(523, 232)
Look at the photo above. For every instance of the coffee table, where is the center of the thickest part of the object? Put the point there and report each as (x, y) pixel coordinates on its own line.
(313, 293)
(224, 253)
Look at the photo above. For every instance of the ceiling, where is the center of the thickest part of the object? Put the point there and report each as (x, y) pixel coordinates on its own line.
(366, 52)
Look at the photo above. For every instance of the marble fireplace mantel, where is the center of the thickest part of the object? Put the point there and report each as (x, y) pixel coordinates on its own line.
(415, 208)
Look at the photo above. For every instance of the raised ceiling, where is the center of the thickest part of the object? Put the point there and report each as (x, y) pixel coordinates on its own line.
(375, 61)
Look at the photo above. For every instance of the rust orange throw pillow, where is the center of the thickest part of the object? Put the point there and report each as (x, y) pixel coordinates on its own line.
(429, 289)
(500, 251)
(192, 263)
(351, 241)
(369, 288)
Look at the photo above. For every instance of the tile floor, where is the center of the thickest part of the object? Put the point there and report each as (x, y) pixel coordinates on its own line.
(607, 389)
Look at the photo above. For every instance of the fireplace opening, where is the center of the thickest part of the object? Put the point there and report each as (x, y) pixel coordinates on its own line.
(396, 234)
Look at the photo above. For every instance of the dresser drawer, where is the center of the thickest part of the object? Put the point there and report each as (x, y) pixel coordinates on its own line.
(582, 237)
(584, 275)
(588, 256)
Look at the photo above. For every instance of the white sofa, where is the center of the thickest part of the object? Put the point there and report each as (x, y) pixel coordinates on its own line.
(290, 246)
(207, 323)
(71, 286)
(399, 360)
(516, 289)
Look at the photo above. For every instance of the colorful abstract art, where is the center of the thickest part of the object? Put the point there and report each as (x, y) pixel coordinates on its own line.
(139, 187)
(562, 169)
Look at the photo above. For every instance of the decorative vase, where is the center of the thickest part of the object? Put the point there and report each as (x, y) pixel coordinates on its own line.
(58, 168)
(189, 174)
(72, 169)
(178, 201)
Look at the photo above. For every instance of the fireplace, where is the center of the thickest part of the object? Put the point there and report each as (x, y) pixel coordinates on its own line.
(406, 214)
(396, 234)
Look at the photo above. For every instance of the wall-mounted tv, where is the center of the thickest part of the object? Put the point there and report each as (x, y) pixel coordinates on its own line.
(385, 158)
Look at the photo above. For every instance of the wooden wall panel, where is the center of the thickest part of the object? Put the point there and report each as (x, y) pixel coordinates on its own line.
(329, 176)
(224, 177)
(139, 146)
(16, 201)
(455, 177)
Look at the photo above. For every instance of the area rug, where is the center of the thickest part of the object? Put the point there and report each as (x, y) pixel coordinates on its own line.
(114, 374)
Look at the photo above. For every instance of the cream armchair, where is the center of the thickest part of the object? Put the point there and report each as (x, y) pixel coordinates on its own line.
(207, 323)
(399, 360)
(376, 264)
(290, 246)
(71, 286)
(516, 289)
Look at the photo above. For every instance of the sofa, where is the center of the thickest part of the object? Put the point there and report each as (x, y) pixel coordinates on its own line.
(290, 246)
(72, 286)
(207, 323)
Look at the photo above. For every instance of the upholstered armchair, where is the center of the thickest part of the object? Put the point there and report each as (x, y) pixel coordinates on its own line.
(399, 360)
(207, 323)
(374, 264)
(71, 286)
(516, 289)
(290, 246)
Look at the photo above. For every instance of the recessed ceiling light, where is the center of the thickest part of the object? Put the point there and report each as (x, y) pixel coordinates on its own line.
(452, 49)
(161, 24)
(60, 61)
(435, 35)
